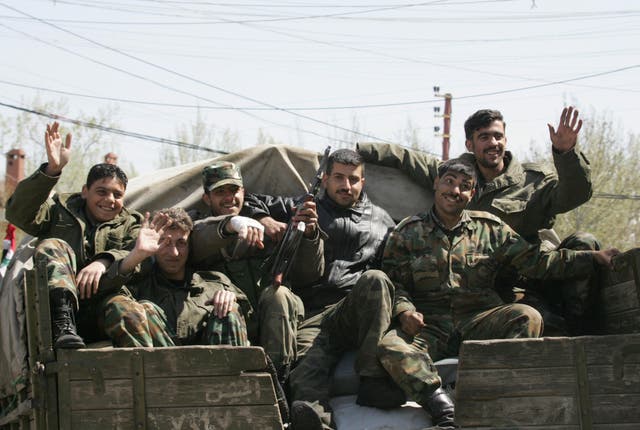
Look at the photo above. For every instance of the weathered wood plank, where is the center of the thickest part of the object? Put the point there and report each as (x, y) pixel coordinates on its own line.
(516, 411)
(492, 374)
(228, 418)
(616, 408)
(545, 352)
(117, 394)
(619, 304)
(103, 419)
(159, 362)
(204, 360)
(489, 384)
(622, 322)
(619, 297)
(253, 389)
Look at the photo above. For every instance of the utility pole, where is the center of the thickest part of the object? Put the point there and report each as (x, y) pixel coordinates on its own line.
(446, 120)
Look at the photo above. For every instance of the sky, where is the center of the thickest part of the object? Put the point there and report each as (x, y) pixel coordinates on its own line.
(311, 73)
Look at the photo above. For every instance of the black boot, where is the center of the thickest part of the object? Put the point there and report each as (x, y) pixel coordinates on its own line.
(380, 392)
(440, 407)
(310, 416)
(283, 406)
(63, 321)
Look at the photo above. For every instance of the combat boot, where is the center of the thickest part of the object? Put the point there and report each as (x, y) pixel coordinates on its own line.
(440, 407)
(380, 392)
(310, 416)
(63, 322)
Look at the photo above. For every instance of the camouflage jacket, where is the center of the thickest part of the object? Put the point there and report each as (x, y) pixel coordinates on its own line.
(526, 196)
(184, 302)
(63, 216)
(448, 275)
(213, 249)
(355, 237)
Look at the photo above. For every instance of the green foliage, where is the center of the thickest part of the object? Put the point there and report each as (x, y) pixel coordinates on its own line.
(612, 214)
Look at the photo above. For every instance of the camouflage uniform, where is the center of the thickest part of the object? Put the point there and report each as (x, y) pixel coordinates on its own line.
(449, 277)
(279, 311)
(357, 322)
(527, 197)
(70, 241)
(161, 312)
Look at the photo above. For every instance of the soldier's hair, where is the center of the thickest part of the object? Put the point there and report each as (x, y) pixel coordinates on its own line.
(180, 219)
(458, 165)
(481, 119)
(104, 170)
(344, 156)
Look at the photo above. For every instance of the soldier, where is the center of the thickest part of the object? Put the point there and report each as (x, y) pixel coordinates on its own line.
(81, 235)
(443, 264)
(172, 303)
(527, 197)
(233, 244)
(349, 308)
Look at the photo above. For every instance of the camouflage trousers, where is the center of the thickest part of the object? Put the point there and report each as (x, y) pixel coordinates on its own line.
(280, 312)
(409, 359)
(356, 322)
(129, 322)
(567, 306)
(60, 261)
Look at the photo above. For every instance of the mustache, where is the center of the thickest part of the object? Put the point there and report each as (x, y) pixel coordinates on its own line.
(454, 196)
(343, 190)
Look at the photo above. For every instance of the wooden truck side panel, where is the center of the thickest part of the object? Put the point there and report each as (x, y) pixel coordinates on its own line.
(209, 387)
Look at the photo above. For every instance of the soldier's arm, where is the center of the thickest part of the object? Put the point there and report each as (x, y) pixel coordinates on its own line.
(396, 263)
(209, 238)
(30, 207)
(419, 166)
(534, 263)
(573, 186)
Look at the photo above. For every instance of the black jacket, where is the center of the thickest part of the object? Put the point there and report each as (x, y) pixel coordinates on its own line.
(355, 242)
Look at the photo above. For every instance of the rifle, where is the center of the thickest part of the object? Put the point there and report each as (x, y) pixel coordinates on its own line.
(288, 247)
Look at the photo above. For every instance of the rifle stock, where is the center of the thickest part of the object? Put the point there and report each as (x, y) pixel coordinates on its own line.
(288, 247)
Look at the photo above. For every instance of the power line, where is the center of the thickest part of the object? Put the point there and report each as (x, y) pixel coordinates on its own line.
(378, 105)
(127, 72)
(277, 19)
(190, 78)
(114, 130)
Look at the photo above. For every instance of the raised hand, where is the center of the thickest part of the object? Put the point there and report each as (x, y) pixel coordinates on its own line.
(565, 138)
(148, 241)
(58, 153)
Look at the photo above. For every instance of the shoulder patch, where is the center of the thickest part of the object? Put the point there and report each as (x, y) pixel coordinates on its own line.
(484, 215)
(408, 220)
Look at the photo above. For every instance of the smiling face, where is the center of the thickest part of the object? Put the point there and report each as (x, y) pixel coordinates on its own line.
(173, 253)
(453, 191)
(344, 184)
(225, 200)
(488, 145)
(104, 199)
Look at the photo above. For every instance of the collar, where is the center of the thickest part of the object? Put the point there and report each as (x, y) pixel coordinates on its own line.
(463, 223)
(356, 210)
